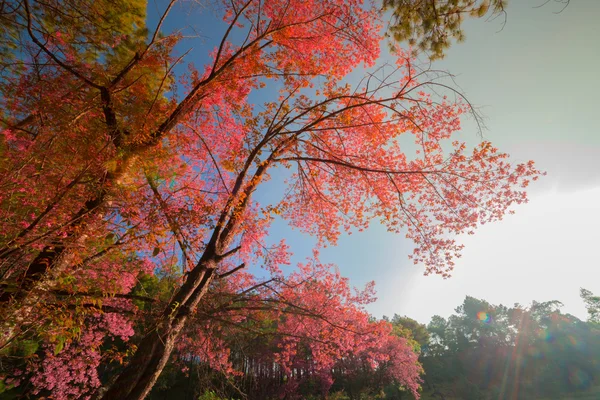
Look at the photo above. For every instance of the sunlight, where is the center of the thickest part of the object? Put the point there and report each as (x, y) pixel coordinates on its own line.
(546, 251)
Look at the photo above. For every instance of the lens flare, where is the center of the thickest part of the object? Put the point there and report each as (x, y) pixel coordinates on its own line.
(546, 335)
(579, 378)
(484, 317)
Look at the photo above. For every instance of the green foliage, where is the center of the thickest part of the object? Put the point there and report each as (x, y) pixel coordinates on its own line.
(410, 329)
(491, 352)
(27, 348)
(5, 390)
(9, 31)
(155, 287)
(592, 303)
(92, 27)
(339, 395)
(211, 395)
(431, 25)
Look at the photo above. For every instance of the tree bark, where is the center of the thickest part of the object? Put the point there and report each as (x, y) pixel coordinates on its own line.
(144, 368)
(49, 255)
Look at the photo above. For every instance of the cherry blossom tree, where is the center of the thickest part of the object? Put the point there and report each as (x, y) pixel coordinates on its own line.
(112, 165)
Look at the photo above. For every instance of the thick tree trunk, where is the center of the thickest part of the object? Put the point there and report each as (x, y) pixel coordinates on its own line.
(50, 255)
(142, 371)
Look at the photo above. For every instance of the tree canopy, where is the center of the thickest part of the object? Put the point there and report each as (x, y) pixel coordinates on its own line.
(128, 217)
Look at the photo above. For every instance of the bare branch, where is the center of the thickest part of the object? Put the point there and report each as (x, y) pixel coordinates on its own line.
(230, 272)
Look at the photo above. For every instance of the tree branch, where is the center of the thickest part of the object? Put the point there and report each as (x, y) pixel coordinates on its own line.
(230, 272)
(66, 67)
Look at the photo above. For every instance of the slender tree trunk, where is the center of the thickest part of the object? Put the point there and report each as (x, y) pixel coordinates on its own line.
(142, 371)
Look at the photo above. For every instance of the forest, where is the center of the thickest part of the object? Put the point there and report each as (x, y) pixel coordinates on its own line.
(482, 351)
(143, 169)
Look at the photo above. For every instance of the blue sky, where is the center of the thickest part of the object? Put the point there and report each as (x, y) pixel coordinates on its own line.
(537, 86)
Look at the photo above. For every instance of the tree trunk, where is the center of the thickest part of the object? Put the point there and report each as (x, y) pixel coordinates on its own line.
(50, 255)
(144, 368)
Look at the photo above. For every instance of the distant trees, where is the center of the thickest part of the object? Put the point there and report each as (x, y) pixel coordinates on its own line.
(409, 328)
(487, 351)
(592, 303)
(482, 351)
